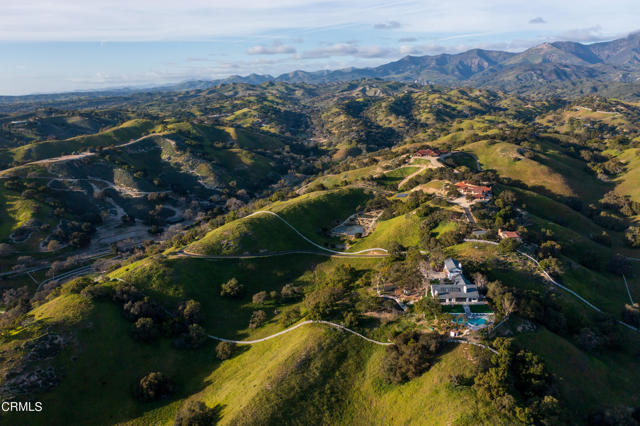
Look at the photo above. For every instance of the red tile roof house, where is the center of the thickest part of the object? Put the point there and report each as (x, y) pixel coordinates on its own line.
(476, 191)
(429, 152)
(508, 234)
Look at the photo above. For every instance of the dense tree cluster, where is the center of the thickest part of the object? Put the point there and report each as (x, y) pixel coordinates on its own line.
(231, 288)
(518, 385)
(632, 236)
(154, 386)
(410, 355)
(224, 350)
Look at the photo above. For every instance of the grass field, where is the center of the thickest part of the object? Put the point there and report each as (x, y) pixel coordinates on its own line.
(16, 211)
(552, 210)
(402, 229)
(504, 158)
(311, 214)
(627, 184)
(586, 380)
(394, 177)
(332, 181)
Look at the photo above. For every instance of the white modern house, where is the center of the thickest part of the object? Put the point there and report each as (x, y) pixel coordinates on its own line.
(458, 290)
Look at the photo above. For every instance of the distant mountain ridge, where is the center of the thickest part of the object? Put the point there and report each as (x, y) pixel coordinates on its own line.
(562, 67)
(561, 61)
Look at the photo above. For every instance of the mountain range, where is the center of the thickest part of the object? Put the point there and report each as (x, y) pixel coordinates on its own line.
(616, 61)
(566, 68)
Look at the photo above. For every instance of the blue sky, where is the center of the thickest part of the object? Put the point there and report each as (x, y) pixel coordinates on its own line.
(51, 46)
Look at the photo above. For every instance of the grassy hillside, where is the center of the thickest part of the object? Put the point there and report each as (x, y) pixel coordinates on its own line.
(627, 184)
(123, 133)
(311, 214)
(508, 162)
(612, 378)
(402, 229)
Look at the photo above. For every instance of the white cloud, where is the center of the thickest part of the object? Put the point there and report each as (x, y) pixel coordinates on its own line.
(349, 49)
(276, 48)
(537, 20)
(389, 25)
(584, 35)
(145, 20)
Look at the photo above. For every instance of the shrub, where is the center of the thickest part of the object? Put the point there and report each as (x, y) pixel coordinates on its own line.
(409, 356)
(125, 293)
(194, 338)
(196, 413)
(350, 319)
(257, 319)
(289, 291)
(224, 350)
(76, 286)
(154, 386)
(290, 316)
(320, 302)
(231, 288)
(142, 308)
(259, 298)
(190, 311)
(552, 265)
(632, 236)
(144, 330)
(97, 292)
(508, 245)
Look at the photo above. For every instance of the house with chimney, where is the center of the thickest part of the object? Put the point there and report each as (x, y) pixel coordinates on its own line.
(456, 289)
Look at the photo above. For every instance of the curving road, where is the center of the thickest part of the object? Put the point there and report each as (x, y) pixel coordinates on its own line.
(187, 253)
(340, 327)
(360, 253)
(557, 284)
(311, 242)
(69, 157)
(332, 324)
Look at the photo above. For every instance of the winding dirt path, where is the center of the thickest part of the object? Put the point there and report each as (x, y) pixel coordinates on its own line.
(340, 327)
(345, 253)
(554, 282)
(408, 178)
(69, 157)
(280, 333)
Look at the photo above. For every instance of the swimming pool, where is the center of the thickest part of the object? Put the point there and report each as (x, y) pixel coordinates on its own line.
(474, 322)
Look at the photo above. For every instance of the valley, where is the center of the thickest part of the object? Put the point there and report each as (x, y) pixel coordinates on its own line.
(361, 252)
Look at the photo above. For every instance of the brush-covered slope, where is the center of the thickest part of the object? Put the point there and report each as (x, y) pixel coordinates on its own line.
(123, 133)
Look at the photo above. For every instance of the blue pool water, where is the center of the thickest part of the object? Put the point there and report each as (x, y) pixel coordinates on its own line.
(477, 321)
(461, 320)
(404, 194)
